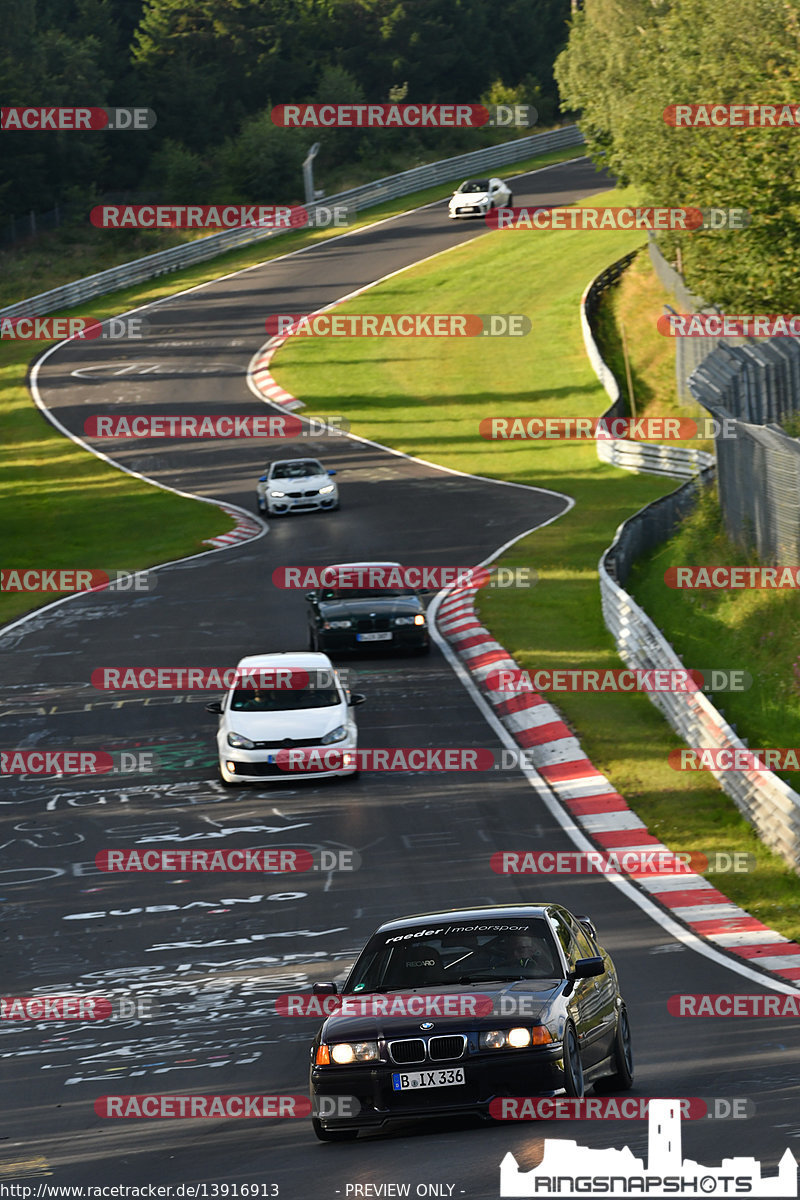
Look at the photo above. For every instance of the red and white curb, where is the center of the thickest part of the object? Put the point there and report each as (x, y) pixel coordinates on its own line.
(602, 814)
(264, 381)
(244, 529)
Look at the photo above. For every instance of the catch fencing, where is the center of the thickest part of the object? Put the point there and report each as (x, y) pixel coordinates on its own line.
(769, 804)
(752, 387)
(369, 194)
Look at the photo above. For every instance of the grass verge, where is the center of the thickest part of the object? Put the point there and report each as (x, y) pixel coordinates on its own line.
(63, 507)
(388, 395)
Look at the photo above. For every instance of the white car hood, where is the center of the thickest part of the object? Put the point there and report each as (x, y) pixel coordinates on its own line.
(470, 197)
(307, 723)
(308, 484)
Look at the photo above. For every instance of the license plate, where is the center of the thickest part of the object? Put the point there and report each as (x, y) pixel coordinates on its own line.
(404, 1082)
(373, 637)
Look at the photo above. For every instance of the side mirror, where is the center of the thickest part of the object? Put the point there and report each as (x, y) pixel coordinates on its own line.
(262, 479)
(311, 596)
(331, 472)
(324, 989)
(356, 698)
(585, 968)
(215, 706)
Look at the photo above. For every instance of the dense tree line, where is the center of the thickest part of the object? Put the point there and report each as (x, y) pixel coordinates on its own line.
(212, 69)
(627, 60)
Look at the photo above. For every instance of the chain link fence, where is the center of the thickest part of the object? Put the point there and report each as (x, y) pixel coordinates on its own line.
(748, 389)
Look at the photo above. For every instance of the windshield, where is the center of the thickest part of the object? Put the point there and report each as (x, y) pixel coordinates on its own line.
(363, 593)
(475, 185)
(282, 699)
(474, 952)
(297, 470)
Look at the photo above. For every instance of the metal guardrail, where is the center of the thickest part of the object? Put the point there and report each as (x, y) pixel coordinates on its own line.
(679, 462)
(769, 804)
(365, 196)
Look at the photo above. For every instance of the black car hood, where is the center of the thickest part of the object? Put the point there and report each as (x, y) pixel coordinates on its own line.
(539, 995)
(382, 605)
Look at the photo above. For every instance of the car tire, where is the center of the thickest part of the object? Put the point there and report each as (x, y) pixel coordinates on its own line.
(510, 202)
(424, 649)
(622, 1056)
(261, 509)
(573, 1067)
(332, 1135)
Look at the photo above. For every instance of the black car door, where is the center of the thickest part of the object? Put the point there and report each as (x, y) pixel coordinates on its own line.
(586, 1003)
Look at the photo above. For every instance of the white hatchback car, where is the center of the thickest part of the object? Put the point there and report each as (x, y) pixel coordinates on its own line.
(296, 485)
(309, 713)
(476, 197)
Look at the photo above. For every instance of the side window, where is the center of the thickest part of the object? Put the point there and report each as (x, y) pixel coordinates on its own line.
(564, 936)
(585, 947)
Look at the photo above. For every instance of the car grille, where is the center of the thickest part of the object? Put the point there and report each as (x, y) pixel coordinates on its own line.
(409, 1051)
(372, 624)
(440, 1048)
(298, 495)
(287, 743)
(435, 1049)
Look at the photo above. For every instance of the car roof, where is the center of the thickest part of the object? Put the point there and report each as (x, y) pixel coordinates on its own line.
(471, 914)
(281, 462)
(364, 563)
(302, 659)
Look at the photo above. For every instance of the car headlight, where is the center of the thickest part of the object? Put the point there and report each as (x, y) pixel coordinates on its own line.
(330, 487)
(518, 1038)
(239, 741)
(278, 494)
(337, 624)
(344, 1053)
(416, 620)
(336, 735)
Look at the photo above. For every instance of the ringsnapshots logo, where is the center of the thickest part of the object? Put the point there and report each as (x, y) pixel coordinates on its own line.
(403, 116)
(49, 329)
(732, 116)
(75, 120)
(74, 579)
(399, 325)
(568, 1169)
(226, 426)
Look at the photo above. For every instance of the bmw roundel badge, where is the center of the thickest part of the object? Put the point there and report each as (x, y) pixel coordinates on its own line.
(427, 1025)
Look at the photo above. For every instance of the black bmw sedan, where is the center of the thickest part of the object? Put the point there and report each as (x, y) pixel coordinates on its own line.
(446, 1013)
(369, 617)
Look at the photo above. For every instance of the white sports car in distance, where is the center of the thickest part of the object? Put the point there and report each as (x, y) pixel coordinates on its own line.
(296, 485)
(476, 196)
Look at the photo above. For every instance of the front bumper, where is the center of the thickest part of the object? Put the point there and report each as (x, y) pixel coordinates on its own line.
(345, 641)
(469, 210)
(302, 503)
(488, 1076)
(253, 766)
